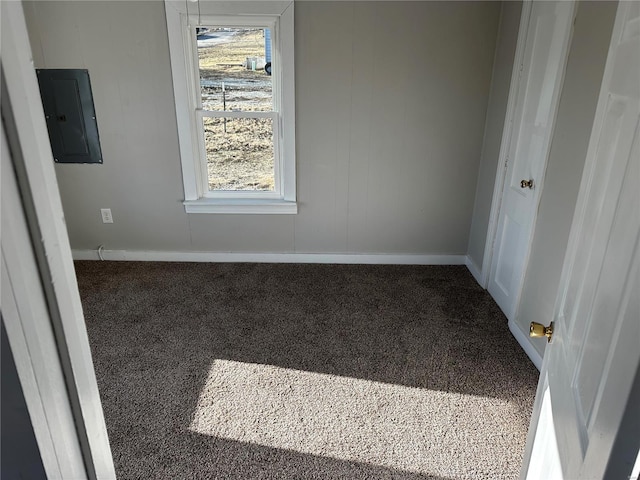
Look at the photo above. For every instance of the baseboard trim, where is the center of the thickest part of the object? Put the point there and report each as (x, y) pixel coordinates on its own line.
(229, 257)
(475, 271)
(526, 344)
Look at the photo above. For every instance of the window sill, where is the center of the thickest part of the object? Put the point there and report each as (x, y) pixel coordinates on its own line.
(241, 206)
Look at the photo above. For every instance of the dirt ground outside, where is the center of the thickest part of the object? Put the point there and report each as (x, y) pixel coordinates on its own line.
(240, 153)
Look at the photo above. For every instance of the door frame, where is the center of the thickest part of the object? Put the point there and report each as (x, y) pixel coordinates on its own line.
(52, 263)
(501, 171)
(30, 336)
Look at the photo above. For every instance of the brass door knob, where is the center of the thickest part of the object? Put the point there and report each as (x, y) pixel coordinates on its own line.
(526, 184)
(539, 330)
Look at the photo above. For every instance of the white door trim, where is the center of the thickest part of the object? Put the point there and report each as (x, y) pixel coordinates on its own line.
(33, 162)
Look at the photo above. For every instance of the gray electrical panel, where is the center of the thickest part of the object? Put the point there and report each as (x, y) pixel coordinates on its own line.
(70, 114)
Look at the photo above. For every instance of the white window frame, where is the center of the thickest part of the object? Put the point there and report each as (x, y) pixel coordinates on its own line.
(182, 19)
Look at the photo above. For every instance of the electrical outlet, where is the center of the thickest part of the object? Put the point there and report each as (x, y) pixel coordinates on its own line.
(106, 215)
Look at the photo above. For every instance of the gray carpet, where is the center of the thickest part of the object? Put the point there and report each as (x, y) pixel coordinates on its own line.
(259, 371)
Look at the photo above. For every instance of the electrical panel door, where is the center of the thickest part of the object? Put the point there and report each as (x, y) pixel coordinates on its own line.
(70, 115)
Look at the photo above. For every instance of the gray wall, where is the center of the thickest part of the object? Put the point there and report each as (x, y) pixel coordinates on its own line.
(501, 80)
(576, 111)
(391, 106)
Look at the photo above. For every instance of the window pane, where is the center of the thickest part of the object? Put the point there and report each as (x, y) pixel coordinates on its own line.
(240, 153)
(233, 65)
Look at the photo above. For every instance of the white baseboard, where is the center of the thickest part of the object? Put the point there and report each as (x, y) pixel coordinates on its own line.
(475, 271)
(526, 344)
(228, 257)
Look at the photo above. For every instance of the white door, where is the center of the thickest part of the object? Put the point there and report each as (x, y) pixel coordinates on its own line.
(39, 298)
(546, 44)
(590, 374)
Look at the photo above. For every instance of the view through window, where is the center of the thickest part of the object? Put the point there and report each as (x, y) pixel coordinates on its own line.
(238, 115)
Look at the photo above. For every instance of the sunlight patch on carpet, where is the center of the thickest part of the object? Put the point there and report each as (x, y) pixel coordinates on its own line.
(405, 428)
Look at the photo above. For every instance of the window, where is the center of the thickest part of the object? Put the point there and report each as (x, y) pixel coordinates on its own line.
(234, 91)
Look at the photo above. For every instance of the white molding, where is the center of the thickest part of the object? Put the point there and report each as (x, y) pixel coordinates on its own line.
(226, 7)
(475, 271)
(257, 257)
(185, 121)
(525, 343)
(240, 206)
(288, 104)
(501, 171)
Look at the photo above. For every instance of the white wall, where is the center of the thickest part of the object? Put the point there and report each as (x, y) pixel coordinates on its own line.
(391, 105)
(500, 82)
(576, 110)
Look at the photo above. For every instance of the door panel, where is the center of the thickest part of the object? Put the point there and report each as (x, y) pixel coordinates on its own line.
(511, 236)
(608, 299)
(542, 70)
(607, 146)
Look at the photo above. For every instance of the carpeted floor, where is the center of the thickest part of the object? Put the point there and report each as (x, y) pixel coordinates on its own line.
(260, 371)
